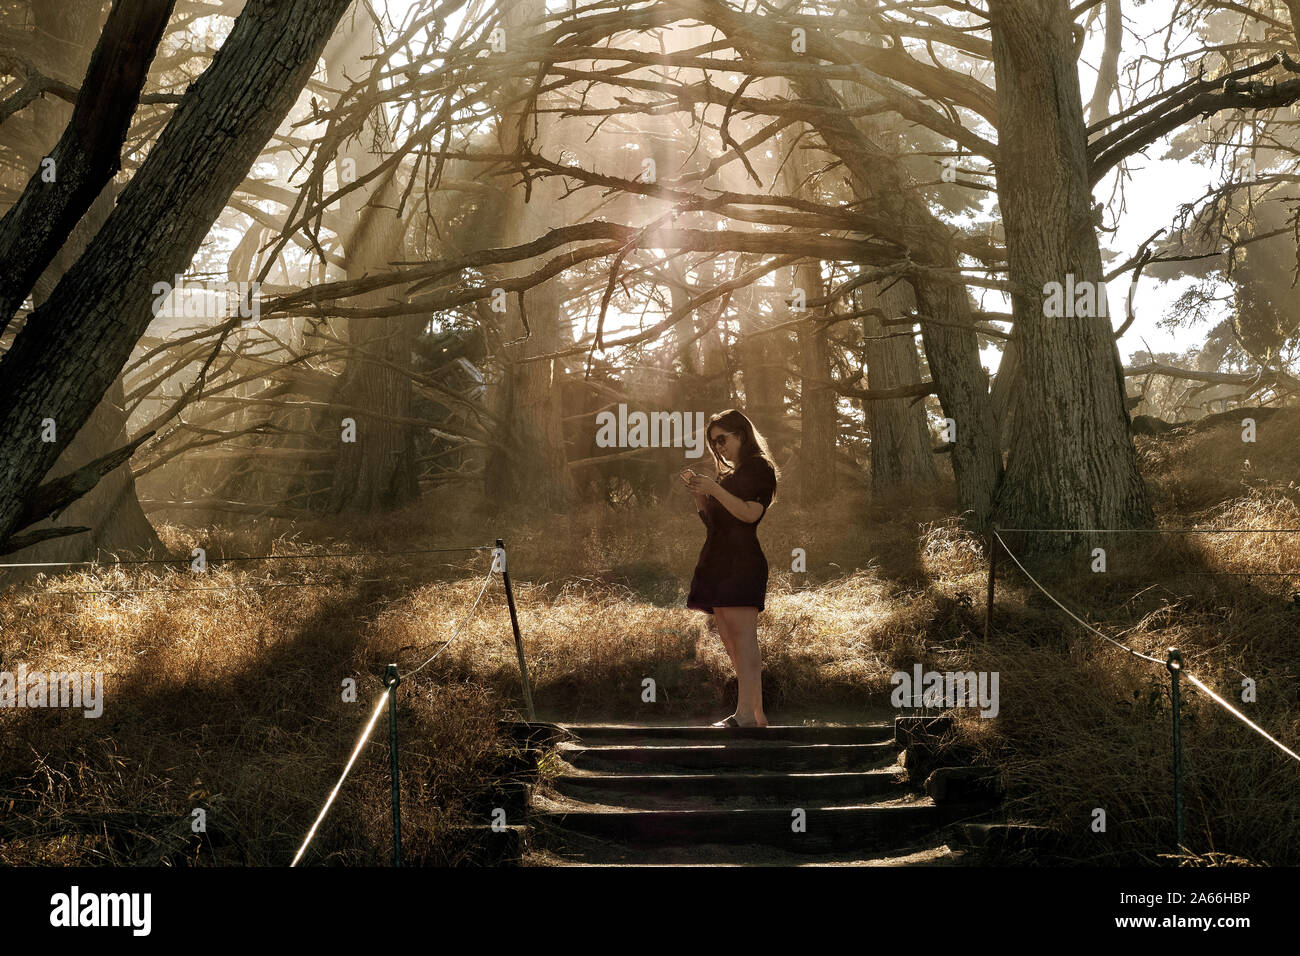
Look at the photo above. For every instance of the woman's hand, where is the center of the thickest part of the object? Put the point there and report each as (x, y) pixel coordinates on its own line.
(694, 485)
(703, 486)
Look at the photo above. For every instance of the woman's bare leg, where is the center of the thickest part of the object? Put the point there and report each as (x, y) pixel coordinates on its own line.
(725, 633)
(743, 624)
(724, 624)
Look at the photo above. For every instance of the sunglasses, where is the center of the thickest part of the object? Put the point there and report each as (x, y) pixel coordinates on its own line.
(720, 440)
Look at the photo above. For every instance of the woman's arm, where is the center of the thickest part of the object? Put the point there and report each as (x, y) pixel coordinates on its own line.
(746, 511)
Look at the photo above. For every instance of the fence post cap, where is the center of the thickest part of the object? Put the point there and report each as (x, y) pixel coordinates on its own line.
(390, 676)
(1175, 659)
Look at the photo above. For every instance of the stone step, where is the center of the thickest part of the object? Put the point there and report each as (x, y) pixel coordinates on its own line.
(592, 852)
(632, 733)
(677, 790)
(828, 829)
(758, 754)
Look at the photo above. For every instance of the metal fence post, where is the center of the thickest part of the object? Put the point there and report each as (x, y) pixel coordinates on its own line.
(514, 623)
(1175, 664)
(993, 564)
(391, 680)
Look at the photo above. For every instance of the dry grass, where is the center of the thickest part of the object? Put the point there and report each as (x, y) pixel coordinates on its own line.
(230, 700)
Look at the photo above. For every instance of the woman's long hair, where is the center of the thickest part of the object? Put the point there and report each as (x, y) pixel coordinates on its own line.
(752, 442)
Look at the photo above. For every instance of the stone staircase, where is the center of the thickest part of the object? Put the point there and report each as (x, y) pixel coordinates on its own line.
(615, 794)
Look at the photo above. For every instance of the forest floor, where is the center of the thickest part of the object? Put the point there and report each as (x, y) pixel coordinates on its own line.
(231, 701)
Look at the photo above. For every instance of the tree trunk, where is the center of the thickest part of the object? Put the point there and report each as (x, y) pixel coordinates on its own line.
(75, 345)
(762, 369)
(817, 400)
(528, 394)
(901, 455)
(1072, 462)
(715, 360)
(88, 152)
(1003, 394)
(378, 470)
(112, 509)
(695, 388)
(818, 416)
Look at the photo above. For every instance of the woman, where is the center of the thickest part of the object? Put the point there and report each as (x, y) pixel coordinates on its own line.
(730, 579)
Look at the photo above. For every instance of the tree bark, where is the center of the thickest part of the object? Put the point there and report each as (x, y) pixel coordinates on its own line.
(528, 394)
(111, 509)
(1293, 8)
(701, 383)
(75, 345)
(762, 365)
(901, 454)
(378, 470)
(818, 417)
(88, 153)
(1072, 462)
(1002, 394)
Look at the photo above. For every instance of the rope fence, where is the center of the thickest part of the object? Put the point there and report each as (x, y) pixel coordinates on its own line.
(1174, 661)
(221, 561)
(389, 696)
(1159, 530)
(391, 676)
(255, 557)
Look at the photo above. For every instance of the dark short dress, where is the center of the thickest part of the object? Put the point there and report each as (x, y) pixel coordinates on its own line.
(732, 570)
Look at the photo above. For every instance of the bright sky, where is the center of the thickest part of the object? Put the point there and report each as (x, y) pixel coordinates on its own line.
(1157, 188)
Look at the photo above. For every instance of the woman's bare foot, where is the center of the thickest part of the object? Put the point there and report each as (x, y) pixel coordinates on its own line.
(750, 723)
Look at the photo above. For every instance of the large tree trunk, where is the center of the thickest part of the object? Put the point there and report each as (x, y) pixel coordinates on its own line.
(533, 464)
(88, 152)
(1002, 395)
(762, 368)
(1072, 462)
(75, 345)
(111, 509)
(715, 361)
(696, 388)
(817, 400)
(378, 470)
(901, 456)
